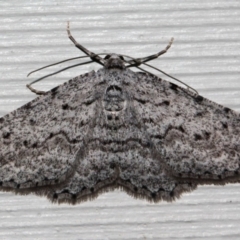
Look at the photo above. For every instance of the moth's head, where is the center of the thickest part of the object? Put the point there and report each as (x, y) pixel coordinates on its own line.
(114, 61)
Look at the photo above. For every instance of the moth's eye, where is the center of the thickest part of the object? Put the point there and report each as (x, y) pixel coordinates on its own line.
(107, 56)
(121, 57)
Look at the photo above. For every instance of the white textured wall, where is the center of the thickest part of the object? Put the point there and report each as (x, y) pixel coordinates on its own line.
(205, 55)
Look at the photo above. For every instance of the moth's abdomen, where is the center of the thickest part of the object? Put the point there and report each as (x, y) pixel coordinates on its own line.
(114, 104)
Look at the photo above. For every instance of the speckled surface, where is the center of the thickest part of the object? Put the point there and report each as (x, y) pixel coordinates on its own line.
(205, 55)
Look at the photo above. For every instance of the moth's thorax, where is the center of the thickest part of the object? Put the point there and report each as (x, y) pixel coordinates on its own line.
(114, 61)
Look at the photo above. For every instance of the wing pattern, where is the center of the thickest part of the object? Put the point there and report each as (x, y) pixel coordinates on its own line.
(115, 128)
(199, 139)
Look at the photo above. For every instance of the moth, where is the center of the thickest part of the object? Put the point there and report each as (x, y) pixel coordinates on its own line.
(115, 128)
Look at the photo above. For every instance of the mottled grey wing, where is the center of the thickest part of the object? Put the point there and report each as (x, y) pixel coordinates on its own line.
(117, 151)
(116, 128)
(198, 139)
(40, 140)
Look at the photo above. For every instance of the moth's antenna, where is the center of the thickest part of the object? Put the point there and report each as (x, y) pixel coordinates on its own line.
(94, 58)
(51, 74)
(92, 55)
(167, 75)
(65, 60)
(139, 62)
(53, 64)
(171, 77)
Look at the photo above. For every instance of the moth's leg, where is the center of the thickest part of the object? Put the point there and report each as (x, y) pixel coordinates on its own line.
(93, 56)
(139, 61)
